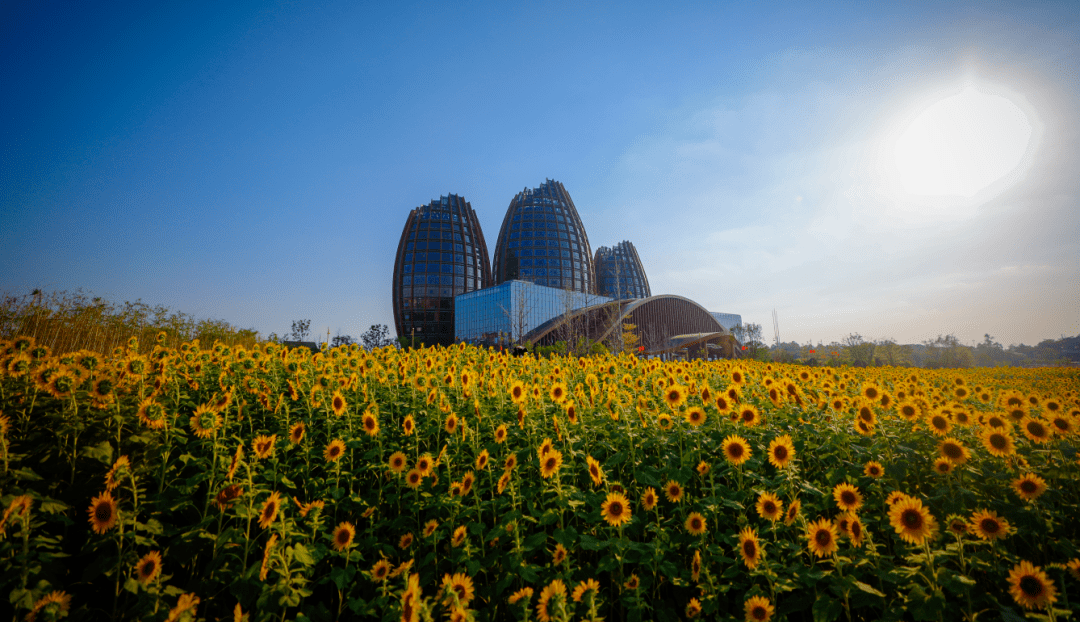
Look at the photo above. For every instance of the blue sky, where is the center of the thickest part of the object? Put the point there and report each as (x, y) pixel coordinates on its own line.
(255, 162)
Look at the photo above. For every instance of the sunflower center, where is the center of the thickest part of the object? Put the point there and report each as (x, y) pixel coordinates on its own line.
(952, 452)
(939, 422)
(823, 537)
(911, 519)
(990, 525)
(749, 549)
(997, 441)
(780, 452)
(759, 613)
(1031, 586)
(748, 416)
(1036, 429)
(735, 450)
(695, 524)
(1028, 486)
(770, 507)
(848, 497)
(615, 509)
(103, 512)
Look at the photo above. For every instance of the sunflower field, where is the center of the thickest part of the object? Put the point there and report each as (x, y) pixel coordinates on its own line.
(220, 482)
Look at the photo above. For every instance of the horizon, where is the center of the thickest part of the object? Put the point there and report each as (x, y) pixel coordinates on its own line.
(897, 172)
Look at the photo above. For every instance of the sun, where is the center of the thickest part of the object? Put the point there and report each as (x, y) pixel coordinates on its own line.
(962, 144)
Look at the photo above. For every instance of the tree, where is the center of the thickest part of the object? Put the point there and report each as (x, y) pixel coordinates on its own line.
(888, 352)
(341, 340)
(859, 350)
(377, 336)
(300, 330)
(946, 351)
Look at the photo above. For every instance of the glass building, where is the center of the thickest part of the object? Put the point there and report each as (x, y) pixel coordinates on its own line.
(441, 254)
(727, 320)
(619, 273)
(543, 241)
(506, 312)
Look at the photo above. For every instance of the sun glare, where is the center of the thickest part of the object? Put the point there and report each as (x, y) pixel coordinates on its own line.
(961, 145)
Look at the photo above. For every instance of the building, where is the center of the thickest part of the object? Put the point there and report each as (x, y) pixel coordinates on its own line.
(727, 320)
(441, 254)
(543, 241)
(506, 312)
(619, 273)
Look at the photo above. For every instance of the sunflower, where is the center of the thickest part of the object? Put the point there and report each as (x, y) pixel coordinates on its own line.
(343, 538)
(749, 547)
(338, 404)
(467, 483)
(405, 541)
(873, 469)
(296, 433)
(524, 594)
(397, 462)
(263, 446)
(500, 434)
(425, 464)
(269, 510)
(517, 392)
(895, 497)
(55, 604)
(770, 507)
(792, 512)
(596, 474)
(957, 525)
(103, 512)
(914, 523)
(583, 587)
(1029, 486)
(854, 530)
(459, 537)
(632, 583)
(781, 451)
(1062, 424)
(695, 566)
(550, 463)
(673, 491)
(334, 451)
(152, 414)
(553, 590)
(1074, 568)
(821, 537)
(1030, 587)
(148, 568)
(409, 425)
(545, 446)
(943, 466)
(558, 392)
(693, 608)
(615, 510)
(695, 524)
(451, 423)
(370, 424)
(504, 480)
(510, 463)
(648, 499)
(1035, 429)
(120, 469)
(228, 494)
(736, 449)
(848, 498)
(723, 404)
(940, 422)
(703, 468)
(989, 526)
(748, 414)
(430, 527)
(758, 609)
(998, 442)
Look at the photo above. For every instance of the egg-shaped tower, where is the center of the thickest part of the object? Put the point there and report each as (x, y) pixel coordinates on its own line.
(619, 273)
(442, 253)
(543, 241)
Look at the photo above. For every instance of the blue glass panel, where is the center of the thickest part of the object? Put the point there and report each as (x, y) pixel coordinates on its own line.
(406, 280)
(408, 257)
(420, 267)
(448, 268)
(432, 279)
(407, 267)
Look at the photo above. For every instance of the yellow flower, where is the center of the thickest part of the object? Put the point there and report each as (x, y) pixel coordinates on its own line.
(370, 424)
(595, 472)
(524, 594)
(380, 571)
(550, 463)
(334, 451)
(397, 462)
(615, 509)
(749, 547)
(792, 512)
(554, 589)
(781, 451)
(988, 525)
(848, 498)
(912, 522)
(648, 499)
(148, 568)
(103, 512)
(821, 537)
(1030, 587)
(270, 509)
(953, 450)
(695, 415)
(770, 507)
(1029, 486)
(263, 446)
(758, 609)
(583, 587)
(736, 449)
(873, 469)
(673, 491)
(695, 524)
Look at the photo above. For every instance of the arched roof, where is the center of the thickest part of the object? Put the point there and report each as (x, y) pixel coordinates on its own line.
(658, 320)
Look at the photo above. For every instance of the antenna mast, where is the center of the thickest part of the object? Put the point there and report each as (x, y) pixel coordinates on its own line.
(776, 328)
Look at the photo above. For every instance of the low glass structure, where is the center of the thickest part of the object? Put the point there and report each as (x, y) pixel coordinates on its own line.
(619, 273)
(727, 320)
(506, 312)
(441, 254)
(543, 241)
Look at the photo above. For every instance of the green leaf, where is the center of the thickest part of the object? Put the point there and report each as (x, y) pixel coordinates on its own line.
(535, 540)
(102, 452)
(868, 589)
(302, 555)
(826, 609)
(52, 506)
(131, 585)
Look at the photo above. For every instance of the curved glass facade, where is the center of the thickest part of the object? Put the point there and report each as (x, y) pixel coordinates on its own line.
(442, 253)
(619, 273)
(543, 241)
